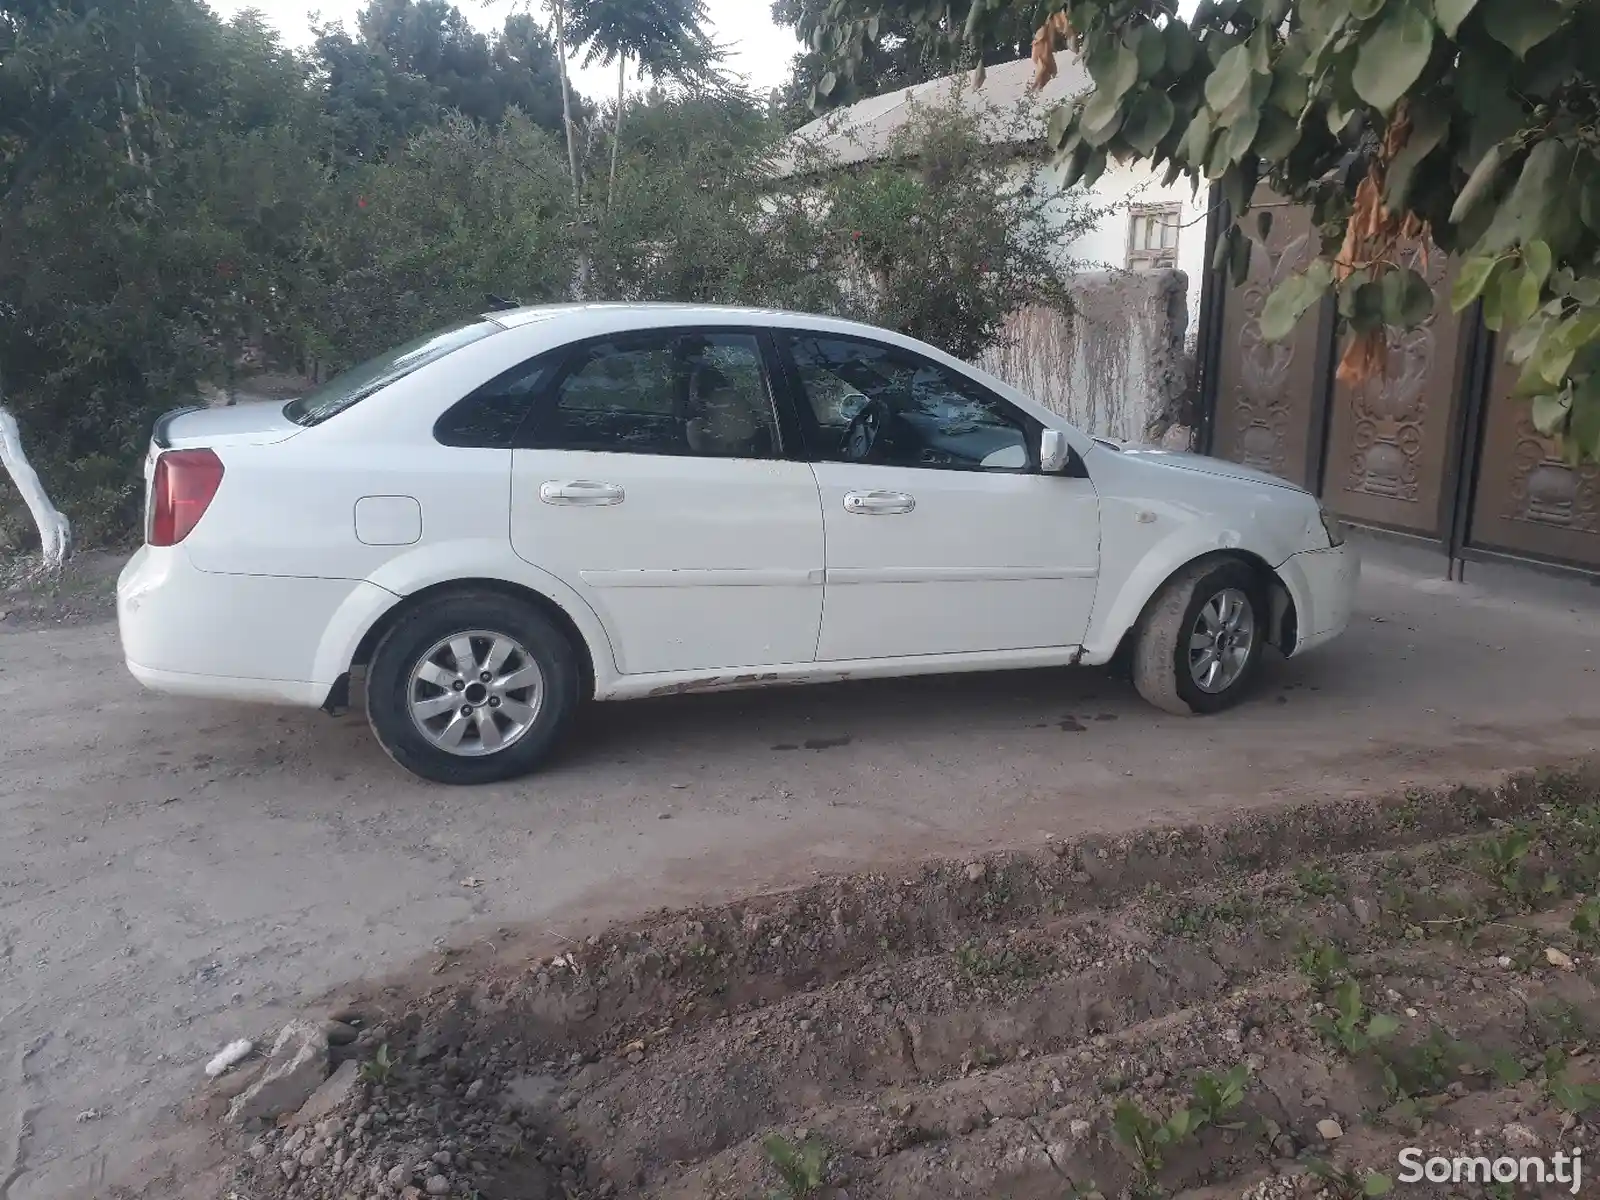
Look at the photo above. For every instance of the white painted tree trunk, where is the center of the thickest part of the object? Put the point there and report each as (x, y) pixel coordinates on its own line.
(55, 533)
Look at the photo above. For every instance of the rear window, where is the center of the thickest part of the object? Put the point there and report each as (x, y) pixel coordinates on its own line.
(355, 385)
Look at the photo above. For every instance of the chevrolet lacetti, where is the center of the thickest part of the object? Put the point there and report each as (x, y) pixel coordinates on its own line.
(542, 506)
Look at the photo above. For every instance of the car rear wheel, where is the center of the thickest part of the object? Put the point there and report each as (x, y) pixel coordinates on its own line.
(1200, 644)
(471, 687)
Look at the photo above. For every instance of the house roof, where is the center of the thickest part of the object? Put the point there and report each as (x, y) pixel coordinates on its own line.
(864, 131)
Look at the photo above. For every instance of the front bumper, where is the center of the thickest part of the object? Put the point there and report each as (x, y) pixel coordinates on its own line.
(1322, 584)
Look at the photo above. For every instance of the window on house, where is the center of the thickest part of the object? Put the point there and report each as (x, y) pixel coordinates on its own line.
(1153, 237)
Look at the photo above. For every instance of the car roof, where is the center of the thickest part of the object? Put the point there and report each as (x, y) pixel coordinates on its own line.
(607, 317)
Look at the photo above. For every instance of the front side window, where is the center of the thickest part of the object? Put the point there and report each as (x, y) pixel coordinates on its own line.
(882, 405)
(702, 394)
(353, 386)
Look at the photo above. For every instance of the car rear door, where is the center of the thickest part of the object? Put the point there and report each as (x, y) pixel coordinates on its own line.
(942, 536)
(651, 477)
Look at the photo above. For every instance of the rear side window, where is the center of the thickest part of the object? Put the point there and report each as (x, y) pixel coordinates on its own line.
(699, 394)
(350, 387)
(489, 417)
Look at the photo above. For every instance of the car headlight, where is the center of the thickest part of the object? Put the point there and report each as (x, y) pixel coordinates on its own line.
(1332, 525)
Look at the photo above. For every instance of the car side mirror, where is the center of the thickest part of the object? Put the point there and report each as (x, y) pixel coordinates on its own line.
(1054, 452)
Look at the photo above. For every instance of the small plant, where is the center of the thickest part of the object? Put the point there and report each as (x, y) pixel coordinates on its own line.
(980, 962)
(1505, 1069)
(1350, 1027)
(801, 1169)
(1421, 1070)
(1198, 917)
(1321, 962)
(1565, 1092)
(1314, 879)
(1504, 861)
(1349, 1184)
(1216, 1095)
(1585, 924)
(1149, 1138)
(378, 1069)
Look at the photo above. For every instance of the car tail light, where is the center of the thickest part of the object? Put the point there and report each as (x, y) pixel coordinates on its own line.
(185, 483)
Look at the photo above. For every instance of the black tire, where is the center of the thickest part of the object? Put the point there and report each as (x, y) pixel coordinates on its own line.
(1161, 662)
(416, 633)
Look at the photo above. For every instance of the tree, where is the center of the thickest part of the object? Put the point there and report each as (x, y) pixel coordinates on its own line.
(666, 38)
(900, 54)
(1469, 126)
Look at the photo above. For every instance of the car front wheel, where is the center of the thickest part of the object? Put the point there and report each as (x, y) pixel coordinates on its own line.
(1200, 644)
(471, 687)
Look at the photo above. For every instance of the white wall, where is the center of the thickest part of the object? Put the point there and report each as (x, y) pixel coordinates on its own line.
(1106, 248)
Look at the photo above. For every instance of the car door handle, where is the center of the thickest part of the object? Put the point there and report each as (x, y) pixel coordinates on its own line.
(878, 504)
(580, 492)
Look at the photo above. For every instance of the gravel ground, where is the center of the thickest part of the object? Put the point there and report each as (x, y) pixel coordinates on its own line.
(174, 875)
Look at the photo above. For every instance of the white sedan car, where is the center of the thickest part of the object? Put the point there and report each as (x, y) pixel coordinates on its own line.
(547, 505)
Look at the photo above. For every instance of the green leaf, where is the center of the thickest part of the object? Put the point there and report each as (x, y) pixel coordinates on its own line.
(1377, 1185)
(1291, 298)
(1239, 251)
(1520, 25)
(1366, 9)
(1149, 50)
(1236, 141)
(1479, 182)
(1101, 119)
(1519, 297)
(1383, 1025)
(1197, 138)
(1407, 298)
(1450, 14)
(1534, 206)
(1536, 258)
(1430, 122)
(1390, 59)
(1491, 293)
(1589, 201)
(1060, 122)
(1585, 421)
(1148, 121)
(1228, 82)
(1180, 48)
(1114, 70)
(1279, 134)
(1550, 413)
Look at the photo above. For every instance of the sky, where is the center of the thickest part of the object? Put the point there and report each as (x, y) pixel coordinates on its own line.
(758, 49)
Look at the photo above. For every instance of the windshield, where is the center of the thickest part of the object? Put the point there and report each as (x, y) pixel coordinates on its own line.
(352, 386)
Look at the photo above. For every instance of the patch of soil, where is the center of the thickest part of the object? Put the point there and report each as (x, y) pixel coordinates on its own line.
(1267, 1007)
(84, 590)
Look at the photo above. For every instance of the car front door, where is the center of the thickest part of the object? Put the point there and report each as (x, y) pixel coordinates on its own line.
(650, 476)
(942, 536)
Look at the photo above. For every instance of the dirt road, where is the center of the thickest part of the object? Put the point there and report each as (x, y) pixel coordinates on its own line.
(173, 875)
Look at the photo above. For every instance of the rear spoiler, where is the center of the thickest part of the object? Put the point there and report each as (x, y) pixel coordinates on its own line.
(159, 434)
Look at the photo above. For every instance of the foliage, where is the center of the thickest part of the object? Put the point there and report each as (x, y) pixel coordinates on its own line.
(946, 240)
(802, 1169)
(1348, 1183)
(1149, 1138)
(185, 203)
(379, 1068)
(1585, 923)
(901, 53)
(1349, 1026)
(1566, 1093)
(1321, 962)
(1470, 127)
